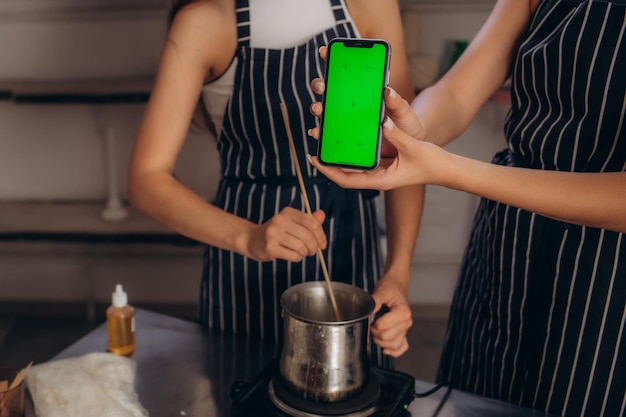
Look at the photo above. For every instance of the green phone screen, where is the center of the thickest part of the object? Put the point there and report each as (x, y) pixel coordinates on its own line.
(353, 102)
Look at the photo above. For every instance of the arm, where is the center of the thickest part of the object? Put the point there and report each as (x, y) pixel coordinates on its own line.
(199, 47)
(444, 110)
(591, 199)
(448, 107)
(403, 206)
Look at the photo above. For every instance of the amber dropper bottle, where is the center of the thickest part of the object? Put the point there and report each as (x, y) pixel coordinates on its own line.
(121, 323)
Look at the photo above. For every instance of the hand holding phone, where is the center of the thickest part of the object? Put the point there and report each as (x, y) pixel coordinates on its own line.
(357, 72)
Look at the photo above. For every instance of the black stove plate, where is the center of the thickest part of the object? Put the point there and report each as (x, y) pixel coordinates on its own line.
(251, 399)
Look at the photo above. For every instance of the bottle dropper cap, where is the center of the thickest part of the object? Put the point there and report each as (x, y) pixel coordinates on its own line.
(120, 299)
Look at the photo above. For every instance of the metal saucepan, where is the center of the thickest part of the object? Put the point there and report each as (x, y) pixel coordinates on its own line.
(322, 359)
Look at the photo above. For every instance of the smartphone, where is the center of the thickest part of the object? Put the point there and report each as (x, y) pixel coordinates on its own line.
(357, 72)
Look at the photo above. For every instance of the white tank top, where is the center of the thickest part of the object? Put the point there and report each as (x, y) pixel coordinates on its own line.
(274, 24)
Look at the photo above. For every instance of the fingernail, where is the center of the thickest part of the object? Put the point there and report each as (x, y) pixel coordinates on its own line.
(388, 124)
(392, 92)
(308, 132)
(319, 85)
(308, 157)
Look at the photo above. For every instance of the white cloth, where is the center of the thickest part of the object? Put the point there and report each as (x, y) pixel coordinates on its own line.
(94, 385)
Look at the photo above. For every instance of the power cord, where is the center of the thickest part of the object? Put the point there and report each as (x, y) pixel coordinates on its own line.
(432, 391)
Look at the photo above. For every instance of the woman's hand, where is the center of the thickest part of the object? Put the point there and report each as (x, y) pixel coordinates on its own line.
(397, 108)
(290, 235)
(396, 168)
(390, 329)
(415, 162)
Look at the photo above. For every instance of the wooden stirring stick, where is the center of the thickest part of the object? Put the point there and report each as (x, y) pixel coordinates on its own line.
(20, 376)
(294, 156)
(6, 399)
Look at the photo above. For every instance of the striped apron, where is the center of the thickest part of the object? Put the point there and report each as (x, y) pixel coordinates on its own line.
(240, 295)
(539, 314)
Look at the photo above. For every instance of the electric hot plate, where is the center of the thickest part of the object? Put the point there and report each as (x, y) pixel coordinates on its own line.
(387, 393)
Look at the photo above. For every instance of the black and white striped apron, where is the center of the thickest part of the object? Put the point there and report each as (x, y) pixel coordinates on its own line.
(242, 296)
(539, 314)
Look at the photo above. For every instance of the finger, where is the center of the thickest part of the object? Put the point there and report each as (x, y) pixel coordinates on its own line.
(398, 351)
(344, 178)
(378, 303)
(316, 109)
(397, 105)
(308, 228)
(300, 241)
(278, 251)
(297, 231)
(319, 215)
(396, 137)
(323, 52)
(292, 243)
(388, 337)
(393, 101)
(391, 341)
(396, 343)
(318, 86)
(278, 244)
(314, 132)
(398, 109)
(391, 324)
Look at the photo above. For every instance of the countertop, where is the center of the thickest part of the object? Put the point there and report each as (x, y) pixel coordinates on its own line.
(183, 371)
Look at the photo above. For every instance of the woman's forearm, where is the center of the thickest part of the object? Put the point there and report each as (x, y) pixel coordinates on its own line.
(180, 209)
(592, 199)
(403, 212)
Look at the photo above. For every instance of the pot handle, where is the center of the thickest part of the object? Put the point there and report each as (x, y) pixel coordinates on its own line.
(384, 309)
